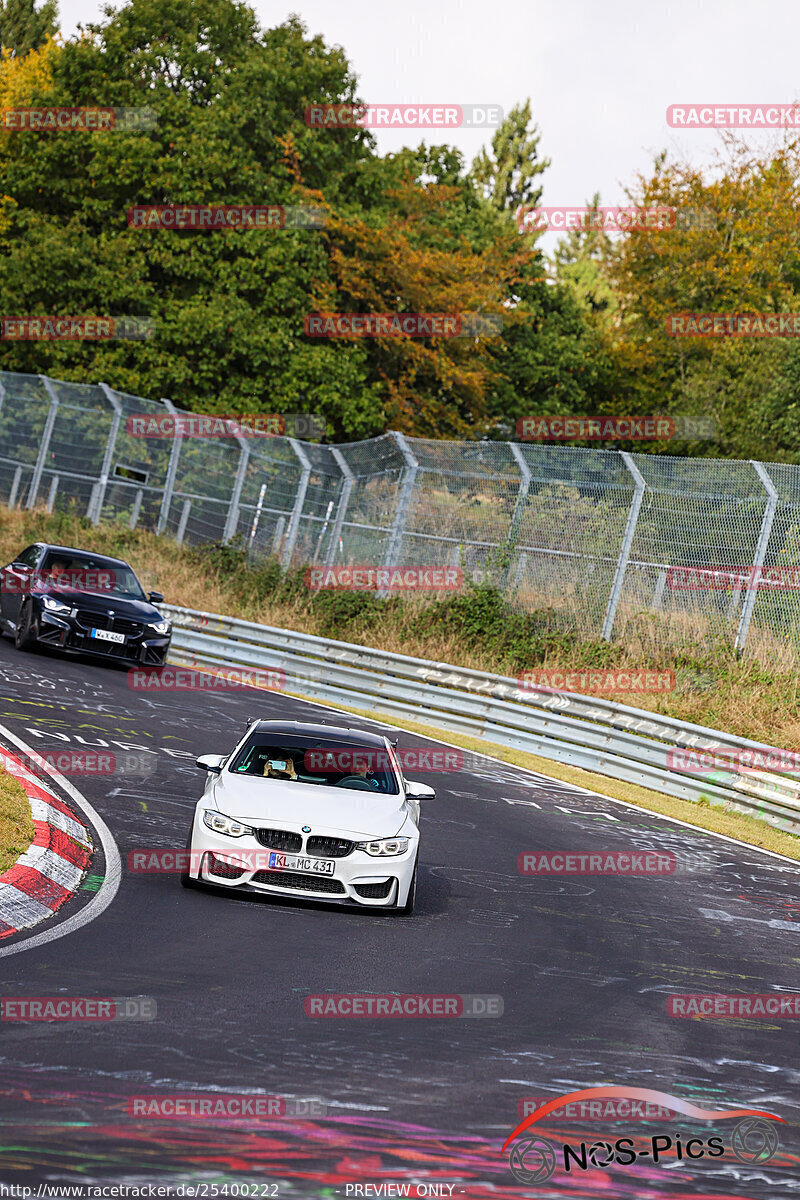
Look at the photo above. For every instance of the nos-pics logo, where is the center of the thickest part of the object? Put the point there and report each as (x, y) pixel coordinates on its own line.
(534, 1159)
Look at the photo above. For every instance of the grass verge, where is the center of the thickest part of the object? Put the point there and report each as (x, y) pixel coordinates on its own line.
(16, 823)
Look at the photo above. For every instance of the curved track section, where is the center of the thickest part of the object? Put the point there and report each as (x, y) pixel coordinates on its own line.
(584, 965)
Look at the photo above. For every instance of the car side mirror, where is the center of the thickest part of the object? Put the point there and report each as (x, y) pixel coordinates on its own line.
(419, 791)
(155, 597)
(211, 763)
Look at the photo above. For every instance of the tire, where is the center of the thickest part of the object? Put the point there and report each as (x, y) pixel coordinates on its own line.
(186, 879)
(405, 910)
(23, 638)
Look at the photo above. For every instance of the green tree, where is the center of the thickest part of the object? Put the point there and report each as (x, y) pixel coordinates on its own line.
(581, 262)
(23, 27)
(508, 177)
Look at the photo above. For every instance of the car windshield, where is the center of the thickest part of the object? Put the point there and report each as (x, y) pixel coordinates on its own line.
(312, 760)
(84, 573)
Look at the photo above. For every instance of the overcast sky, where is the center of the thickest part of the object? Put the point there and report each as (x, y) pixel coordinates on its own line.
(600, 75)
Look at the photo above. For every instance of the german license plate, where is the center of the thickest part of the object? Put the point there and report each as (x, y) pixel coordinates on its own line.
(106, 635)
(291, 862)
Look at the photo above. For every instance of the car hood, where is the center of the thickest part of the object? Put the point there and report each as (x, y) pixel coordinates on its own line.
(101, 602)
(282, 804)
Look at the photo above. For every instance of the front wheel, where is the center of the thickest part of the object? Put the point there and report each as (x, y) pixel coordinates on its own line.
(23, 634)
(187, 879)
(405, 910)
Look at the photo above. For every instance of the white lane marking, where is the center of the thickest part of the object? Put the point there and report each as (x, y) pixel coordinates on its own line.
(724, 837)
(110, 885)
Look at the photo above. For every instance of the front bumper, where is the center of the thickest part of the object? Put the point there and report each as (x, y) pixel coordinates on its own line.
(358, 878)
(64, 633)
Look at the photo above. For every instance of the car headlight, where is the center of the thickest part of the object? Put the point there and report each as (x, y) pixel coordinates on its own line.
(226, 825)
(384, 847)
(56, 605)
(160, 626)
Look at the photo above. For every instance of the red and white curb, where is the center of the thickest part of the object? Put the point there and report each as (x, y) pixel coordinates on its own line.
(51, 869)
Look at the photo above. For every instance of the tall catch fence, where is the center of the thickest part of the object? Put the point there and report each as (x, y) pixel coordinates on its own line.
(595, 535)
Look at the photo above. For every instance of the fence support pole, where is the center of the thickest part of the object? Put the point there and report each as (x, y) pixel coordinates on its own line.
(15, 482)
(44, 445)
(519, 506)
(100, 492)
(299, 501)
(348, 479)
(625, 548)
(137, 506)
(172, 471)
(760, 555)
(403, 500)
(51, 496)
(232, 522)
(184, 521)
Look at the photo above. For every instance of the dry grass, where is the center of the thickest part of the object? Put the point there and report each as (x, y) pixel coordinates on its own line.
(16, 823)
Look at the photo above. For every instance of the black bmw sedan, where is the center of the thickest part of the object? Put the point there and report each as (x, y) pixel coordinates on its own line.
(81, 603)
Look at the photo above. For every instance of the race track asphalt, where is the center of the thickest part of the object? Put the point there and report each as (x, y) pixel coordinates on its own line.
(584, 966)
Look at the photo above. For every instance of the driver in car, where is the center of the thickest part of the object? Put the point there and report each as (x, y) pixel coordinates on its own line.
(280, 768)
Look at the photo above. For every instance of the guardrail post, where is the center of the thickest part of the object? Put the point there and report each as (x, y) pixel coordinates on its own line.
(341, 508)
(519, 505)
(100, 492)
(403, 500)
(44, 445)
(299, 501)
(172, 471)
(232, 521)
(625, 548)
(760, 555)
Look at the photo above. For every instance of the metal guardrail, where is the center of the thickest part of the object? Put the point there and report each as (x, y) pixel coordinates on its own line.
(597, 735)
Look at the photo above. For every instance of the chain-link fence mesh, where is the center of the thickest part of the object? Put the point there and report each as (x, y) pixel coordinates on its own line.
(597, 537)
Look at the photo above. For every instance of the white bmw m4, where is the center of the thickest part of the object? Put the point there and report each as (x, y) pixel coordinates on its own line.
(318, 811)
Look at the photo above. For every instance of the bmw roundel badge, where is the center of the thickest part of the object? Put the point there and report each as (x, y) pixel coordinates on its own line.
(306, 829)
